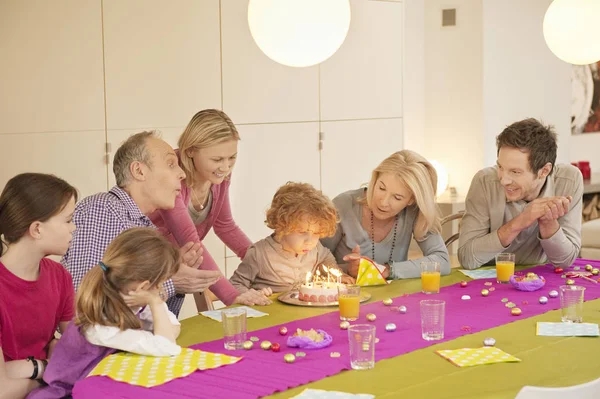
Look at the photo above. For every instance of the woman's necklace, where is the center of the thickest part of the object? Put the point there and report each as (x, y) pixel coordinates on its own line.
(203, 203)
(373, 239)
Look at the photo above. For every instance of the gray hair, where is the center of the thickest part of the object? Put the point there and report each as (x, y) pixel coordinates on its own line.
(133, 149)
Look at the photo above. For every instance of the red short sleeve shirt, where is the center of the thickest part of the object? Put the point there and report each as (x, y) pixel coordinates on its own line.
(31, 310)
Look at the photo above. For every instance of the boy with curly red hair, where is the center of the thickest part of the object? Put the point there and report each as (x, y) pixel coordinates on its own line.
(300, 216)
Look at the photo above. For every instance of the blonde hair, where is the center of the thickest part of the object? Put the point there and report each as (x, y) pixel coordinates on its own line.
(207, 128)
(421, 179)
(136, 255)
(294, 201)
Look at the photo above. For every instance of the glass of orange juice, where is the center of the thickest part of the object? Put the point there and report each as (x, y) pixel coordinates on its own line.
(430, 277)
(349, 300)
(505, 267)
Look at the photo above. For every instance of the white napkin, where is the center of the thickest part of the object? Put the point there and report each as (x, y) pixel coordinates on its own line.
(216, 314)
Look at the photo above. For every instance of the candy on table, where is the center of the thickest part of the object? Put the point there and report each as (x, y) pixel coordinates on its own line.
(463, 284)
(254, 339)
(387, 301)
(515, 311)
(558, 270)
(344, 325)
(390, 327)
(283, 330)
(485, 292)
(289, 358)
(465, 297)
(589, 267)
(371, 316)
(543, 300)
(553, 294)
(248, 345)
(275, 347)
(266, 345)
(489, 341)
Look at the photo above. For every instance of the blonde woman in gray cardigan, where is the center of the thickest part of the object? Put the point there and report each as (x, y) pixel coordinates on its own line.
(379, 221)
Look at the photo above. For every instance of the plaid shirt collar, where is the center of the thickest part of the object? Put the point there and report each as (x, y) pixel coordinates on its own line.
(133, 210)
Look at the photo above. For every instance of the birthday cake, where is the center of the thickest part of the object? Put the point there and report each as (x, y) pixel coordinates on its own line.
(319, 292)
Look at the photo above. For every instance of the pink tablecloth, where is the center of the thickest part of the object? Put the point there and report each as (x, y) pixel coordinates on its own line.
(262, 373)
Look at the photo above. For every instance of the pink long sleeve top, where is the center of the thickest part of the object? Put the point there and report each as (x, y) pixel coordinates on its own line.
(177, 225)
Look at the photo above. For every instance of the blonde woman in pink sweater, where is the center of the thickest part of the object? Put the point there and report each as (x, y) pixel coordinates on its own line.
(207, 153)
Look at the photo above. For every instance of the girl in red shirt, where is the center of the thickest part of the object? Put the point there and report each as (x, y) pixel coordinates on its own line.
(36, 293)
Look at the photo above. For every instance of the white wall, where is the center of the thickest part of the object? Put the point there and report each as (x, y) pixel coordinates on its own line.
(522, 78)
(413, 75)
(453, 89)
(52, 91)
(490, 70)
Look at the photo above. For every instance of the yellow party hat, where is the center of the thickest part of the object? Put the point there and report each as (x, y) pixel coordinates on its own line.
(370, 273)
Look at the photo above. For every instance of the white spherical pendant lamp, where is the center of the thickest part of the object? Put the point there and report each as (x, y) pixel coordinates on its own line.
(571, 30)
(299, 33)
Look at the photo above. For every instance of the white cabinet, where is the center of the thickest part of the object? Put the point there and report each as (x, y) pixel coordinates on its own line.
(363, 79)
(256, 89)
(77, 157)
(51, 68)
(162, 61)
(352, 149)
(269, 156)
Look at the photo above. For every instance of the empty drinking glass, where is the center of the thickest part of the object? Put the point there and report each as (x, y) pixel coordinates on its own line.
(571, 303)
(362, 346)
(234, 328)
(432, 319)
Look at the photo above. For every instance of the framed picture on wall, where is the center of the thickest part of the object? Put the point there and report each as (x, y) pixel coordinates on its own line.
(585, 101)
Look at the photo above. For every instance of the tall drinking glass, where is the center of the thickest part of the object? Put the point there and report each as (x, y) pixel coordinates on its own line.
(430, 277)
(349, 300)
(234, 328)
(361, 338)
(571, 303)
(432, 319)
(505, 267)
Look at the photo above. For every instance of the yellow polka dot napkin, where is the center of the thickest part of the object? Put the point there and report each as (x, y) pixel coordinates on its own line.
(369, 273)
(150, 371)
(467, 357)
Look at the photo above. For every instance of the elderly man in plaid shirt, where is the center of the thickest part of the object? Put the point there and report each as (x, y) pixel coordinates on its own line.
(148, 178)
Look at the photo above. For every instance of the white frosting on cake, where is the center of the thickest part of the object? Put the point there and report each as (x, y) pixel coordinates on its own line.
(319, 292)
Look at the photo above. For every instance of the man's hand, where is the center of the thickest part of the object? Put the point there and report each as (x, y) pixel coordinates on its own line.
(191, 254)
(542, 210)
(547, 208)
(254, 297)
(353, 259)
(189, 280)
(557, 207)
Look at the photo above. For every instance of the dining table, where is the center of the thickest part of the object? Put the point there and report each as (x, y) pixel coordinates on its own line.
(406, 366)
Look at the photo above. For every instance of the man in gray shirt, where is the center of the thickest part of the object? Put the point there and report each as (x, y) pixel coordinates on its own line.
(525, 204)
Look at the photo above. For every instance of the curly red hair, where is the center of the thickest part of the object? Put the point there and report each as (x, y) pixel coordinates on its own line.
(294, 203)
